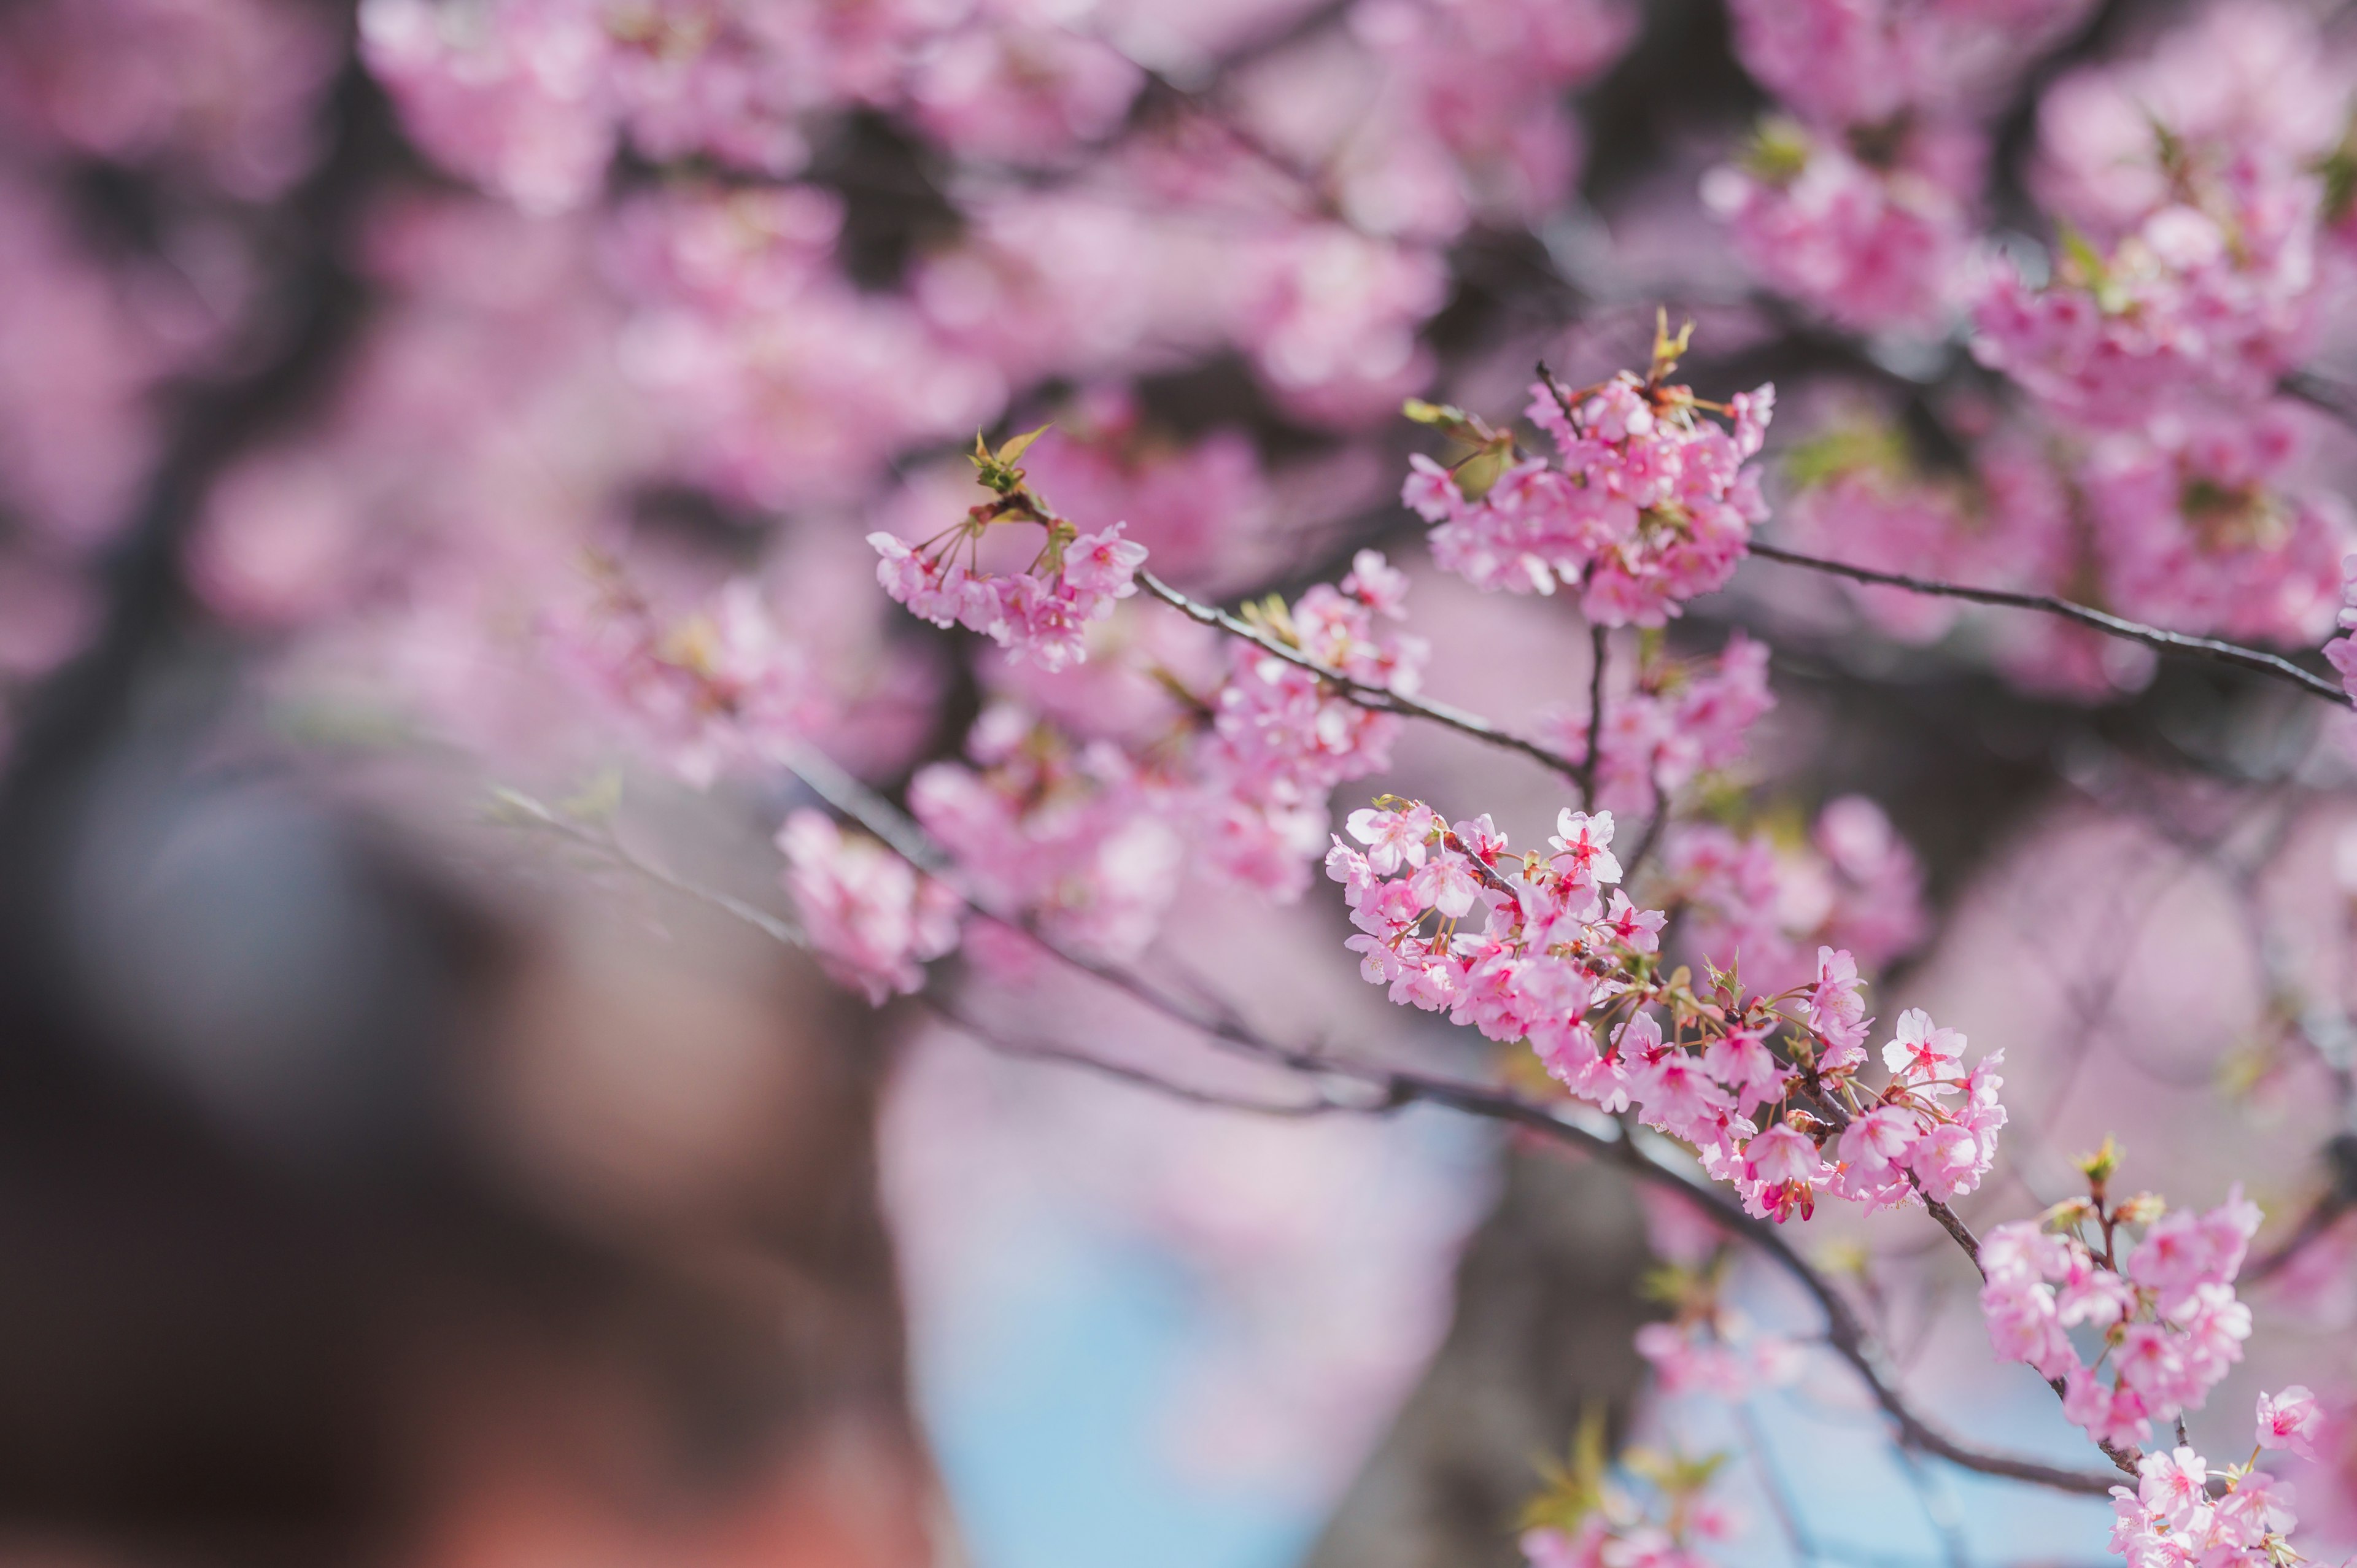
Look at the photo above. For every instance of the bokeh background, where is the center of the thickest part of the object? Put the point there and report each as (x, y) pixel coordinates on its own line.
(384, 1179)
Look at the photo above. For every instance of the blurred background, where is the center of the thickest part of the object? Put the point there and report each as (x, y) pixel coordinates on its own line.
(389, 1177)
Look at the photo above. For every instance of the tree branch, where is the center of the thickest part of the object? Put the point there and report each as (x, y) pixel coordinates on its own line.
(1396, 1087)
(2255, 660)
(1388, 1089)
(1364, 693)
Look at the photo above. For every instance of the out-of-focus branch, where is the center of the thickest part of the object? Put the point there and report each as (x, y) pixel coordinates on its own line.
(526, 810)
(2257, 660)
(1366, 694)
(2336, 398)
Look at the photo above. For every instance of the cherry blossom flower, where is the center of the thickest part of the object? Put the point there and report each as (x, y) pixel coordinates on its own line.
(872, 918)
(2290, 1420)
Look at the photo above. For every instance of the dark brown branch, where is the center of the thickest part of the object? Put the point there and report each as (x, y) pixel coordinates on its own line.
(1365, 694)
(2255, 660)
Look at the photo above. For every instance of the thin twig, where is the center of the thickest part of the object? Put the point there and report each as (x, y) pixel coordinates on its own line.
(1598, 647)
(609, 846)
(1365, 694)
(2252, 659)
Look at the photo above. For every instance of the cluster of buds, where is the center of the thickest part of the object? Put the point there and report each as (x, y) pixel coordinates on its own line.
(1042, 612)
(1648, 505)
(2166, 1307)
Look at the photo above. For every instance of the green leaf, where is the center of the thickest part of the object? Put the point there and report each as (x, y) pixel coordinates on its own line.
(1021, 444)
(597, 800)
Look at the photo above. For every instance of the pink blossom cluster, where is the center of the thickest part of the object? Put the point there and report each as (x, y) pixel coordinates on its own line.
(1676, 722)
(778, 382)
(1077, 841)
(1867, 247)
(2231, 112)
(873, 920)
(2185, 183)
(1857, 199)
(223, 93)
(2169, 1321)
(2007, 523)
(2204, 529)
(719, 688)
(1550, 952)
(532, 97)
(1082, 836)
(1868, 62)
(1650, 505)
(2187, 310)
(2207, 526)
(1617, 1531)
(1041, 613)
(2182, 1513)
(1488, 78)
(1282, 738)
(1766, 899)
(1331, 318)
(1187, 252)
(1598, 1542)
(2343, 649)
(1935, 1131)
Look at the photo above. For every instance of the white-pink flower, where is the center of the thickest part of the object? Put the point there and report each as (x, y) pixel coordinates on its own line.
(2291, 1419)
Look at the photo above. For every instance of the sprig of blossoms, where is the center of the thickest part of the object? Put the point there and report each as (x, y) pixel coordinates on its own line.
(1648, 504)
(873, 919)
(2169, 1322)
(1041, 613)
(1760, 1086)
(2182, 1512)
